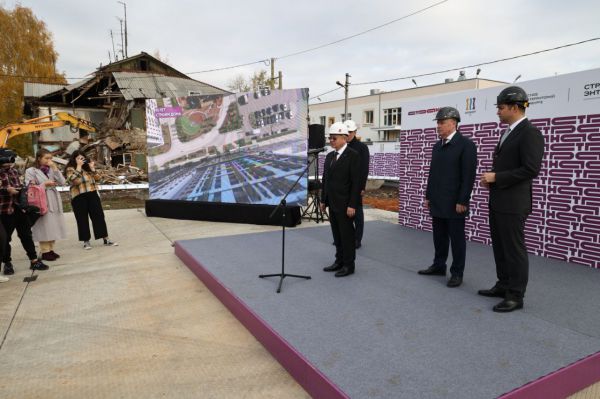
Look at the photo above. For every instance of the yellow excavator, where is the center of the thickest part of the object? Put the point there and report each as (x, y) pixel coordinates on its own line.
(58, 119)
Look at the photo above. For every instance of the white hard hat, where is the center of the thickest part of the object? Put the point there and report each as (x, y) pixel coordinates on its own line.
(351, 125)
(338, 128)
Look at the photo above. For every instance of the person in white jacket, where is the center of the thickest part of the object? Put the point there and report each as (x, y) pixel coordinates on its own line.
(51, 226)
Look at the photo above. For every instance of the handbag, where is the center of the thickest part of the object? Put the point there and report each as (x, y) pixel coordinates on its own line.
(34, 195)
(33, 202)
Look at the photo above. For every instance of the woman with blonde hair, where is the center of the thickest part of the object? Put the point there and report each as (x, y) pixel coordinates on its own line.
(51, 226)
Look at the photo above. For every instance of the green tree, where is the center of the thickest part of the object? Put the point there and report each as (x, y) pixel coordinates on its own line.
(259, 79)
(26, 55)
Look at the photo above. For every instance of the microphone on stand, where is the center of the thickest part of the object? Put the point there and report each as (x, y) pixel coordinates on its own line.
(316, 150)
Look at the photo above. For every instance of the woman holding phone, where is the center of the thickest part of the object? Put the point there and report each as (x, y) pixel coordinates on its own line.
(81, 176)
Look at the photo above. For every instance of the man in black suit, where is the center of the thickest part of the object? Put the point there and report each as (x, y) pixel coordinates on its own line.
(363, 153)
(449, 185)
(341, 192)
(517, 161)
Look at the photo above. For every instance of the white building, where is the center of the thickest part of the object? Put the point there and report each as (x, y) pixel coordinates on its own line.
(379, 115)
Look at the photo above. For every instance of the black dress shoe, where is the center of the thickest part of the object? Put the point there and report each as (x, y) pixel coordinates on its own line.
(508, 305)
(344, 271)
(333, 268)
(493, 292)
(433, 271)
(454, 281)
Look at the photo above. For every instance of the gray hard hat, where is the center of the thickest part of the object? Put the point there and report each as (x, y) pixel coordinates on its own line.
(447, 113)
(513, 95)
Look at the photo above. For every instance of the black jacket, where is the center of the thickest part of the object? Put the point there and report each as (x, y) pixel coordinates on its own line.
(363, 153)
(451, 176)
(341, 187)
(516, 164)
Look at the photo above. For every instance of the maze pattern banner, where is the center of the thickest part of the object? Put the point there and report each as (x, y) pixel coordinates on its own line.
(565, 222)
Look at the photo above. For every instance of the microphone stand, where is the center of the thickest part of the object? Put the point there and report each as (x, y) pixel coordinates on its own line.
(283, 206)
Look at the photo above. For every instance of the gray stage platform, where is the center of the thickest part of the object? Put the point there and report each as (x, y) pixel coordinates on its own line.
(387, 332)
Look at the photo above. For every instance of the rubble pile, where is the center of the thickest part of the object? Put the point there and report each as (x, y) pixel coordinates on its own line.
(119, 155)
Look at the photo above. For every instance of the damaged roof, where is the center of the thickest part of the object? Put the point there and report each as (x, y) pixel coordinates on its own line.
(133, 85)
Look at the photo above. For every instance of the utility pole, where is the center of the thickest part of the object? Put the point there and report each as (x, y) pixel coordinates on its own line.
(112, 39)
(345, 86)
(125, 10)
(122, 44)
(280, 80)
(272, 81)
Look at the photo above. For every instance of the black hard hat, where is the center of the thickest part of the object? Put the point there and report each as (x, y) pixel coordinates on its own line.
(513, 95)
(447, 113)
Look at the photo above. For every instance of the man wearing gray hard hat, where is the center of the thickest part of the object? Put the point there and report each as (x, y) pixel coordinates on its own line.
(517, 161)
(449, 185)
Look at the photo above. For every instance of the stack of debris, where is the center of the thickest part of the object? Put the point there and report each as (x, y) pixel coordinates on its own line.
(119, 155)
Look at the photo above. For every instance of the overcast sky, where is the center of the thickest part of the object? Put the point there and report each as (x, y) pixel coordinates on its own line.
(200, 35)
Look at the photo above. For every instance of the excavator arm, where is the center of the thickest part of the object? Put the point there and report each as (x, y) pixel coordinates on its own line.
(59, 119)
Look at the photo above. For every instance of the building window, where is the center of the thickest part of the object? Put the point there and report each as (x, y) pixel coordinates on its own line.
(348, 117)
(392, 116)
(322, 120)
(368, 119)
(330, 121)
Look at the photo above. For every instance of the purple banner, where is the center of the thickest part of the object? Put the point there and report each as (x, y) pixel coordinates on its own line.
(168, 112)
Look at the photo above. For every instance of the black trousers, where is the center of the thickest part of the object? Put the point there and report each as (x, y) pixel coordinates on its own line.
(87, 206)
(359, 222)
(510, 252)
(342, 228)
(3, 240)
(446, 231)
(18, 221)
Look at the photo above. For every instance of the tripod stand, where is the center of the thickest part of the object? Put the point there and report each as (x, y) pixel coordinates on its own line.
(313, 209)
(283, 206)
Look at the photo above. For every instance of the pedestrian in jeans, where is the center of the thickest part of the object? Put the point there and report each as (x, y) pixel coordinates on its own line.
(12, 216)
(81, 176)
(51, 226)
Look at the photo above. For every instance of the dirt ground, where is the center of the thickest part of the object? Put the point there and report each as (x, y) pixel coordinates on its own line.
(385, 198)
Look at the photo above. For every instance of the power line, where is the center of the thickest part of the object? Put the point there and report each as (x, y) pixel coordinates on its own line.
(265, 61)
(354, 84)
(363, 32)
(466, 66)
(327, 92)
(480, 64)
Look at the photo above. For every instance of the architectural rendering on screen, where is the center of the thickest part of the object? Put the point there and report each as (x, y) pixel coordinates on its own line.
(240, 148)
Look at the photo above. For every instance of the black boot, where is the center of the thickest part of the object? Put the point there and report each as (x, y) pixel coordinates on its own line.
(8, 268)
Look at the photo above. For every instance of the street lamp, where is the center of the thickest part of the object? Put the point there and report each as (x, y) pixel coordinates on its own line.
(345, 86)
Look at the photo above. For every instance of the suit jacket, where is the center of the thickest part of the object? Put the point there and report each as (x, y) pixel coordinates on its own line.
(341, 181)
(363, 153)
(516, 164)
(451, 176)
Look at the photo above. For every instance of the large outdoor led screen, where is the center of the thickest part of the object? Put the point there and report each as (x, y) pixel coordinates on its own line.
(240, 148)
